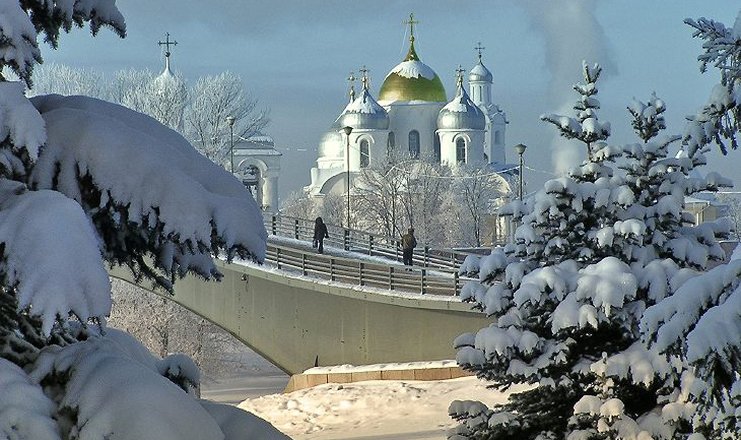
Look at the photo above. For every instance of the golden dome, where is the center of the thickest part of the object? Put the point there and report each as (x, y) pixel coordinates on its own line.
(412, 80)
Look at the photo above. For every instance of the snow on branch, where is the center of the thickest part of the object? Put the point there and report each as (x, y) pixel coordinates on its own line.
(147, 190)
(51, 256)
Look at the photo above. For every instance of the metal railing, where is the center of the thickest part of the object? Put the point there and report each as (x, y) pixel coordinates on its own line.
(438, 281)
(364, 242)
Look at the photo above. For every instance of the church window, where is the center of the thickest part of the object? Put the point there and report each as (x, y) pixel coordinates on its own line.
(364, 154)
(414, 144)
(498, 137)
(437, 148)
(391, 144)
(460, 150)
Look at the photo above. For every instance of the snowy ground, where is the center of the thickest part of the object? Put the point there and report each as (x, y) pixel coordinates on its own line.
(370, 410)
(363, 410)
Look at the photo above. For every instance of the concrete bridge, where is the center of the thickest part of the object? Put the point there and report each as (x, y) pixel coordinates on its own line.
(297, 320)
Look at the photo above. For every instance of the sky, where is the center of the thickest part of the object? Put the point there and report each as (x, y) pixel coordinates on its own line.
(294, 57)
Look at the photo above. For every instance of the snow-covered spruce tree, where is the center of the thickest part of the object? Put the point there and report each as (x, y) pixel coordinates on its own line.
(567, 297)
(719, 120)
(701, 322)
(84, 183)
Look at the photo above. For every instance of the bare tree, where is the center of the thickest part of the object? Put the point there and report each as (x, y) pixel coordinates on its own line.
(213, 99)
(470, 203)
(733, 210)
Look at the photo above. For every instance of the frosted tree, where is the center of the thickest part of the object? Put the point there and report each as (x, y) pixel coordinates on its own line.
(213, 99)
(585, 126)
(719, 120)
(378, 192)
(567, 297)
(58, 78)
(701, 323)
(162, 97)
(472, 200)
(85, 183)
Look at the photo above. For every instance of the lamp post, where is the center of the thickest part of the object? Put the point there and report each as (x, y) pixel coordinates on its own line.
(347, 130)
(230, 120)
(520, 149)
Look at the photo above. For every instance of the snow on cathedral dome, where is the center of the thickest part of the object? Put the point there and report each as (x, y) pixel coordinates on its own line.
(365, 113)
(480, 73)
(461, 113)
(412, 80)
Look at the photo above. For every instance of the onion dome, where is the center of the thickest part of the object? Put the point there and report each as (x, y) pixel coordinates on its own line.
(480, 73)
(412, 80)
(364, 113)
(331, 144)
(461, 113)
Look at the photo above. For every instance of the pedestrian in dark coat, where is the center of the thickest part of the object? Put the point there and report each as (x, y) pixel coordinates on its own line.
(408, 243)
(320, 233)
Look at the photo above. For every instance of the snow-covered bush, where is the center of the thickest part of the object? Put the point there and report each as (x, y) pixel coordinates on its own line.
(85, 183)
(591, 252)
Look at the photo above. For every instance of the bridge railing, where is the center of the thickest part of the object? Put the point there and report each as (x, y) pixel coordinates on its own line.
(439, 281)
(363, 242)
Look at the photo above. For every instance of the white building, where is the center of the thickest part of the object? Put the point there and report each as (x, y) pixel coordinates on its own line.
(412, 118)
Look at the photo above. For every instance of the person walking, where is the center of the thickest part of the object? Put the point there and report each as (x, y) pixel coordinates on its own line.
(408, 243)
(320, 233)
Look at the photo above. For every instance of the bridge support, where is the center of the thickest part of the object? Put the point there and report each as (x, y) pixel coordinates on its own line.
(295, 322)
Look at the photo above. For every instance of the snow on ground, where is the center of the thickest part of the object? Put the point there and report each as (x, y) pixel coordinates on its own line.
(380, 409)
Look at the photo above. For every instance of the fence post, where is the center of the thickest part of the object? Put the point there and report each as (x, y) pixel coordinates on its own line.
(274, 225)
(303, 263)
(331, 269)
(422, 280)
(277, 257)
(456, 284)
(370, 245)
(391, 277)
(295, 229)
(360, 272)
(346, 239)
(426, 256)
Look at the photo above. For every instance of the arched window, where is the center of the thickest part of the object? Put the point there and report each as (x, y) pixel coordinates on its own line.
(391, 144)
(436, 151)
(497, 137)
(460, 150)
(414, 144)
(364, 154)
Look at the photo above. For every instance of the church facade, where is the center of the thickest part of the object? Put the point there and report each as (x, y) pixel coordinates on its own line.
(412, 119)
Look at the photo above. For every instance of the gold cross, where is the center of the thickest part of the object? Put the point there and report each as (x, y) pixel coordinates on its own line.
(411, 22)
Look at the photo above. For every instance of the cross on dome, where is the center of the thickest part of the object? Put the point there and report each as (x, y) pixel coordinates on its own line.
(364, 79)
(351, 79)
(411, 22)
(167, 43)
(479, 48)
(459, 75)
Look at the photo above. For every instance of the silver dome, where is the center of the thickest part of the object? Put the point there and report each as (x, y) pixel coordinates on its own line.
(332, 143)
(461, 114)
(480, 73)
(365, 114)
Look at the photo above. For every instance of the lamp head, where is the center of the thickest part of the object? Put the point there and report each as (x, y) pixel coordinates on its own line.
(520, 149)
(347, 130)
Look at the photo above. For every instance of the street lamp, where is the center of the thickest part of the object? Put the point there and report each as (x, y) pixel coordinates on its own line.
(520, 149)
(230, 120)
(347, 130)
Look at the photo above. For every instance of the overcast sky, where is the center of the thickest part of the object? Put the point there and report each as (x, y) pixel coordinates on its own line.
(294, 57)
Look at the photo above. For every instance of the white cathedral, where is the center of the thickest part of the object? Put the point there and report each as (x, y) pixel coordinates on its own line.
(412, 118)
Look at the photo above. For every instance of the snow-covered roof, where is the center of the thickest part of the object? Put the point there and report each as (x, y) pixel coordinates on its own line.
(413, 69)
(480, 73)
(365, 113)
(461, 112)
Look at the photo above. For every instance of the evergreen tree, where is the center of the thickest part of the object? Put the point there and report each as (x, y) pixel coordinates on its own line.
(85, 184)
(567, 296)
